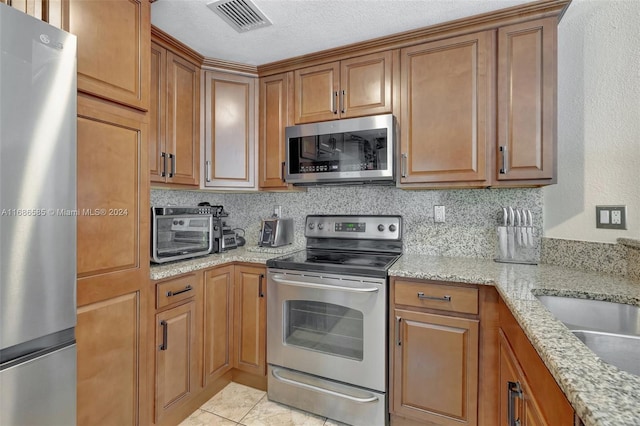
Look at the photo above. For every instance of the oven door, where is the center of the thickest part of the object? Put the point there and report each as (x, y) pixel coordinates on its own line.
(329, 325)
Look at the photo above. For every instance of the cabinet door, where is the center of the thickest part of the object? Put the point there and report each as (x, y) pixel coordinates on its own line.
(276, 108)
(365, 85)
(176, 375)
(446, 110)
(183, 121)
(527, 79)
(157, 114)
(218, 323)
(113, 49)
(511, 407)
(35, 8)
(250, 319)
(435, 368)
(230, 131)
(316, 93)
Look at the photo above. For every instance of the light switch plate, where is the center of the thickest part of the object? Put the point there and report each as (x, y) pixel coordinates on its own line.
(611, 217)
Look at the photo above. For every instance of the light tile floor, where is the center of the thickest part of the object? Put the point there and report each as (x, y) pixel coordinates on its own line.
(237, 404)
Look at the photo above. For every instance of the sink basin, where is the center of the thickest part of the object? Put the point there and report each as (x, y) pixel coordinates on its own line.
(611, 330)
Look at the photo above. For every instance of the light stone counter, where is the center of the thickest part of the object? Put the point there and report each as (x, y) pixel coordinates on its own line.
(600, 393)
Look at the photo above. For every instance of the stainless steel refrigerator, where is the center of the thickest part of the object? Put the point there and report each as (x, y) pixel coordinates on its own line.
(37, 222)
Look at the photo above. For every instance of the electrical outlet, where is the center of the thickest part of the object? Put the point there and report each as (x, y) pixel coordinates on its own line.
(438, 214)
(611, 217)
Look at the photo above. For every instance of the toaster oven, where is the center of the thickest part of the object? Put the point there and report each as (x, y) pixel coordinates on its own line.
(179, 233)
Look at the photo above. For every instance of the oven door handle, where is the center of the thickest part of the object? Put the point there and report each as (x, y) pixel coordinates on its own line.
(275, 374)
(280, 280)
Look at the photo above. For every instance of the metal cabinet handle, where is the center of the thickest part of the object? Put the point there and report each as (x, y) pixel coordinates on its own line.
(172, 157)
(284, 175)
(165, 335)
(398, 335)
(421, 296)
(260, 293)
(187, 288)
(513, 391)
(505, 160)
(163, 156)
(403, 165)
(207, 172)
(342, 110)
(335, 103)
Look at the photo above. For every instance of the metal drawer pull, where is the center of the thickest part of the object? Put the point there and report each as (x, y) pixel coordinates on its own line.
(187, 288)
(207, 172)
(398, 336)
(279, 280)
(172, 173)
(342, 110)
(403, 165)
(373, 398)
(163, 173)
(505, 165)
(260, 293)
(421, 296)
(165, 332)
(335, 102)
(513, 390)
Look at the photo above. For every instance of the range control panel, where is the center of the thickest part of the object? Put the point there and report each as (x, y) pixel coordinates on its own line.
(381, 227)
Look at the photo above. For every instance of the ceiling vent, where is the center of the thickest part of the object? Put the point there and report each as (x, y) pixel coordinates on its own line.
(242, 15)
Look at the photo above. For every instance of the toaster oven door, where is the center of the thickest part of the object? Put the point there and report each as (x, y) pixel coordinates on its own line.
(176, 237)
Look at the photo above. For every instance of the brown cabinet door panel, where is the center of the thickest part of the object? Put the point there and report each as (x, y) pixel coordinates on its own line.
(527, 100)
(365, 84)
(218, 323)
(112, 162)
(157, 114)
(436, 368)
(250, 319)
(316, 93)
(445, 109)
(108, 338)
(113, 49)
(175, 356)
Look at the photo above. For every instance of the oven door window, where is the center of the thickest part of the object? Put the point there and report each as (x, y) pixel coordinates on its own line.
(324, 327)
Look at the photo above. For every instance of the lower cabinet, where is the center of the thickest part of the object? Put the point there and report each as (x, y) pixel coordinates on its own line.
(218, 323)
(250, 320)
(529, 395)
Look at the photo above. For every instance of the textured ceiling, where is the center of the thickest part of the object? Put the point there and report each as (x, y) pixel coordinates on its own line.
(306, 26)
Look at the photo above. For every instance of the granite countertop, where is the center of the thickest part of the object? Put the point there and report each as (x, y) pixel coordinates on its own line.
(600, 393)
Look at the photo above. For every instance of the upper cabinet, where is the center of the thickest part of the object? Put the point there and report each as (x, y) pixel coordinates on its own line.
(276, 112)
(174, 143)
(113, 49)
(230, 131)
(348, 88)
(445, 110)
(527, 111)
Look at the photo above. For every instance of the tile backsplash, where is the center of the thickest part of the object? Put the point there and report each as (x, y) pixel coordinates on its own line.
(469, 230)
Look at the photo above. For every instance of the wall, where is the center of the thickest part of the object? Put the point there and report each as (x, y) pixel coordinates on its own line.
(469, 231)
(598, 120)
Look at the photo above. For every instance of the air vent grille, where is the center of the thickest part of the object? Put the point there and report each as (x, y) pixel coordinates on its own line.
(242, 15)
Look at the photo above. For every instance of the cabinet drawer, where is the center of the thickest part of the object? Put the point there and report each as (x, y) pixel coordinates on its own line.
(173, 291)
(437, 296)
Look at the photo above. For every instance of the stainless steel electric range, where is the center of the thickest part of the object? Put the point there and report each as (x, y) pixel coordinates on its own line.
(327, 318)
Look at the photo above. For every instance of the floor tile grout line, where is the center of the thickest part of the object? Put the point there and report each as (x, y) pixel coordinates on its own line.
(218, 415)
(254, 406)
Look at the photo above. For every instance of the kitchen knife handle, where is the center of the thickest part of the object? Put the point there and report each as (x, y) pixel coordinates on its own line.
(421, 296)
(260, 279)
(207, 171)
(335, 103)
(505, 162)
(513, 390)
(165, 335)
(403, 165)
(163, 156)
(342, 110)
(398, 336)
(187, 288)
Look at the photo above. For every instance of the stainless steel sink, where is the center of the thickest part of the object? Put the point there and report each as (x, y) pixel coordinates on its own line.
(611, 330)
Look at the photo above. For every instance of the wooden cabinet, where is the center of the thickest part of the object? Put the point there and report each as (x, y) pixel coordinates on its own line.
(174, 139)
(528, 392)
(218, 323)
(442, 335)
(527, 111)
(348, 88)
(445, 110)
(230, 131)
(112, 264)
(250, 320)
(113, 49)
(276, 113)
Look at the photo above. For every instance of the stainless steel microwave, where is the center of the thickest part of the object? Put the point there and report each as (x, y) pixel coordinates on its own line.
(349, 151)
